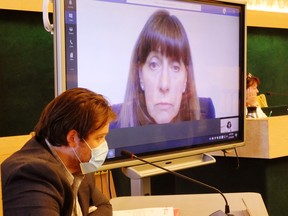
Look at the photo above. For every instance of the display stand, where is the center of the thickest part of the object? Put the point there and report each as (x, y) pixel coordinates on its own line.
(140, 174)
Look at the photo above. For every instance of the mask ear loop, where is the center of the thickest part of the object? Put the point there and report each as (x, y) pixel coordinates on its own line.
(87, 144)
(76, 155)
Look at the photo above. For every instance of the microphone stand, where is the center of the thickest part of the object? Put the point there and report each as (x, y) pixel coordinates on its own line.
(132, 156)
(275, 94)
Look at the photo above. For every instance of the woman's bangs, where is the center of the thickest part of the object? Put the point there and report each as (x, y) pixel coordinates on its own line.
(172, 47)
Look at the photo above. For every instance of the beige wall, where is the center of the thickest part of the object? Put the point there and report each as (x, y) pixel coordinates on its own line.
(27, 5)
(267, 19)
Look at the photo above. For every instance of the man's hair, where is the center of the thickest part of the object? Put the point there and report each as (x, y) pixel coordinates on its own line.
(76, 109)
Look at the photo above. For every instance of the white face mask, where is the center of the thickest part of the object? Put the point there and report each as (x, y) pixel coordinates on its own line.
(98, 156)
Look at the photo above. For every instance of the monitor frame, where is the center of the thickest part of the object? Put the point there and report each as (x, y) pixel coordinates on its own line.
(169, 156)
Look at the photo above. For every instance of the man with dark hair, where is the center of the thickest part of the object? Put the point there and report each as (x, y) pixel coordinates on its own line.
(53, 174)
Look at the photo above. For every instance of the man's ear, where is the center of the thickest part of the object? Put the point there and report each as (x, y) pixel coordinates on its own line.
(72, 138)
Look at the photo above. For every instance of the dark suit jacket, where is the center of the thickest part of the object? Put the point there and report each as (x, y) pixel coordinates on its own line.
(33, 184)
(207, 108)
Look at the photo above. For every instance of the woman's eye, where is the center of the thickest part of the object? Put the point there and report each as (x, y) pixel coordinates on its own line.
(175, 68)
(154, 65)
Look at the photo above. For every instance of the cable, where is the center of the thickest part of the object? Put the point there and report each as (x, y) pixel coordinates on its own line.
(109, 184)
(101, 182)
(45, 15)
(237, 158)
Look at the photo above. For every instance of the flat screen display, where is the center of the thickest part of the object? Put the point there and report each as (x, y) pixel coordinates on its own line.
(173, 71)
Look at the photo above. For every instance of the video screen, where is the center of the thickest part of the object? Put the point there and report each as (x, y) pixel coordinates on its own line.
(173, 71)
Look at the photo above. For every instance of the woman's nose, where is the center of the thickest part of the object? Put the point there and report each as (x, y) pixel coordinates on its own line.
(164, 80)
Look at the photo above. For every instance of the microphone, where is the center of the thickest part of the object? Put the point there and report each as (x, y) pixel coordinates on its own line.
(133, 156)
(275, 93)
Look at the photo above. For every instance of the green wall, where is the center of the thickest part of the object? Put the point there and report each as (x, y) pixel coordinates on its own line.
(26, 71)
(267, 58)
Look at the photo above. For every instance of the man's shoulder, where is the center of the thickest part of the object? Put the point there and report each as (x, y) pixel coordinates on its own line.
(30, 151)
(31, 157)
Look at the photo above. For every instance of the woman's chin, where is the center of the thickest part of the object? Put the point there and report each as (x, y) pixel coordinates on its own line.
(163, 120)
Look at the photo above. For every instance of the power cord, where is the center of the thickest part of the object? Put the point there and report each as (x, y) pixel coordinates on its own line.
(237, 157)
(45, 15)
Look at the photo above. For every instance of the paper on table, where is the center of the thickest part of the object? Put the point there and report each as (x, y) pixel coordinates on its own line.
(161, 211)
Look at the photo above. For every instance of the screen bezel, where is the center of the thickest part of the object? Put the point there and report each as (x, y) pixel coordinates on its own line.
(60, 86)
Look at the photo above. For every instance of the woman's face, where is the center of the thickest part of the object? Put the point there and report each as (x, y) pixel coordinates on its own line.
(251, 95)
(163, 80)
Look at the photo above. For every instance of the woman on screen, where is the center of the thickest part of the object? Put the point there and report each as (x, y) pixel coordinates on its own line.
(160, 87)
